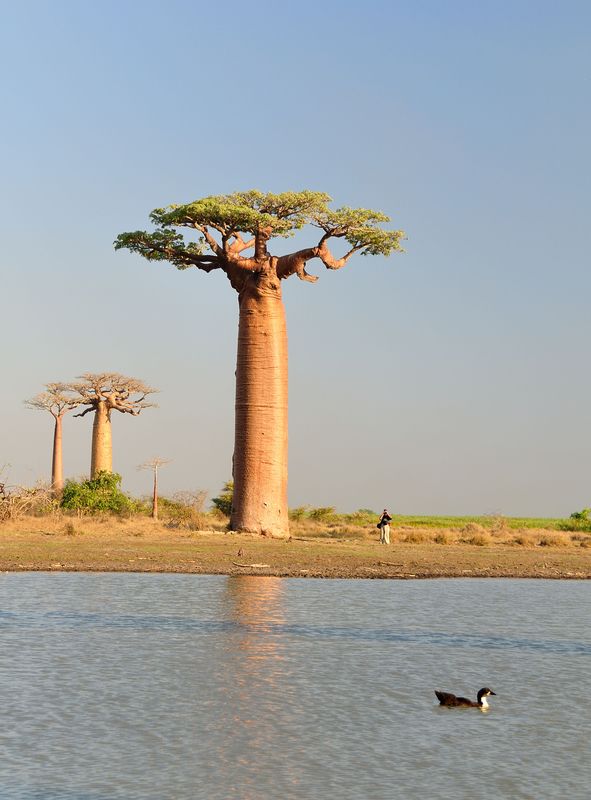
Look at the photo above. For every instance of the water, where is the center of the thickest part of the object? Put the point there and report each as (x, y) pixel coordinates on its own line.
(174, 687)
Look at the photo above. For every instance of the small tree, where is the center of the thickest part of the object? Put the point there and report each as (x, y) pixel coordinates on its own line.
(154, 464)
(57, 401)
(102, 393)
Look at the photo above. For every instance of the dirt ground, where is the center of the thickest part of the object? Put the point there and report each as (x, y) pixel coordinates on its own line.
(145, 546)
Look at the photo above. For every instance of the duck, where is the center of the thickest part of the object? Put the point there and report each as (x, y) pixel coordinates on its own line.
(451, 701)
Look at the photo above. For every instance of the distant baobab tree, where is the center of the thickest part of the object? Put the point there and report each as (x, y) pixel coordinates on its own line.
(154, 464)
(260, 445)
(57, 401)
(102, 393)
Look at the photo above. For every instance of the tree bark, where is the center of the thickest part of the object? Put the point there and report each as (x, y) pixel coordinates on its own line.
(57, 473)
(259, 502)
(102, 448)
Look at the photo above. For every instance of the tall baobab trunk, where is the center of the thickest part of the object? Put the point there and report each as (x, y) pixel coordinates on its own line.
(102, 448)
(260, 446)
(57, 472)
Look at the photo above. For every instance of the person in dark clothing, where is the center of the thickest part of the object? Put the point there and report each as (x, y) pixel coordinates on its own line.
(384, 526)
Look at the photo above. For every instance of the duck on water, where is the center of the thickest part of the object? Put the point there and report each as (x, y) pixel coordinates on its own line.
(451, 701)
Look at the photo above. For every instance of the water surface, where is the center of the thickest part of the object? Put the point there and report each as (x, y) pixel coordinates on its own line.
(173, 687)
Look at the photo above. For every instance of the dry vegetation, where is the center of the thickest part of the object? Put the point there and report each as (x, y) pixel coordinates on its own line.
(189, 539)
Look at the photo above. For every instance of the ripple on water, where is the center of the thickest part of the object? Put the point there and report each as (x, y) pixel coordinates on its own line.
(174, 687)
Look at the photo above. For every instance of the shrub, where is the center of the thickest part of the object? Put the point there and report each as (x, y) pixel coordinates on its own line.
(98, 496)
(480, 539)
(22, 500)
(362, 517)
(523, 539)
(417, 537)
(184, 509)
(578, 521)
(553, 540)
(297, 514)
(223, 503)
(443, 537)
(322, 514)
(473, 529)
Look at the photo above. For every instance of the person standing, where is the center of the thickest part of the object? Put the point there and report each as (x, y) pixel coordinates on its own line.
(384, 526)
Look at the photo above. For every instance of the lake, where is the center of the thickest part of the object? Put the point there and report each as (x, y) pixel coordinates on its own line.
(174, 687)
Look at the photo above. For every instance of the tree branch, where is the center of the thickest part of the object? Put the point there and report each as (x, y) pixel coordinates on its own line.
(295, 264)
(260, 243)
(86, 411)
(327, 258)
(165, 245)
(211, 240)
(238, 245)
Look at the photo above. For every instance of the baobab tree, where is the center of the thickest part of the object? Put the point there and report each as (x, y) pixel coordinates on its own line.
(232, 235)
(102, 393)
(57, 401)
(154, 464)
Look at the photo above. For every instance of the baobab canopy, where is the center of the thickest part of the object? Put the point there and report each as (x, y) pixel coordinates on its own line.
(232, 232)
(101, 393)
(263, 216)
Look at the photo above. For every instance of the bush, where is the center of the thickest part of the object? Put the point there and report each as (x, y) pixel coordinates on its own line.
(554, 540)
(523, 539)
(473, 529)
(184, 509)
(297, 514)
(443, 537)
(22, 500)
(363, 516)
(322, 514)
(480, 539)
(223, 503)
(417, 537)
(98, 495)
(578, 521)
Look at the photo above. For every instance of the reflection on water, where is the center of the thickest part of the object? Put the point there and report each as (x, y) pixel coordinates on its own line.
(256, 606)
(254, 673)
(170, 687)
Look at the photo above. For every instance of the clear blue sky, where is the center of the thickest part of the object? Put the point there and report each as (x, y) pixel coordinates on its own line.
(452, 379)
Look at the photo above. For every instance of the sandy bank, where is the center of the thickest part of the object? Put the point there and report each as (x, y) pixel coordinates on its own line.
(150, 547)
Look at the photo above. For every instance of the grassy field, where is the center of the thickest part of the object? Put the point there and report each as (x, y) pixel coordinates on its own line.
(488, 521)
(420, 547)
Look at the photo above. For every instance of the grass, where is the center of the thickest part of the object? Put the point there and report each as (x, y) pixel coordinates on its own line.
(316, 549)
(485, 521)
(187, 538)
(140, 544)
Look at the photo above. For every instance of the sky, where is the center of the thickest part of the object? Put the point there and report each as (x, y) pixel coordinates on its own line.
(451, 379)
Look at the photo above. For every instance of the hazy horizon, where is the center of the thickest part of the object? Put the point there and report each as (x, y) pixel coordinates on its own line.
(452, 379)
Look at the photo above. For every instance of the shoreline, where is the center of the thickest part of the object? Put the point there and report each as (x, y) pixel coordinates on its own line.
(157, 549)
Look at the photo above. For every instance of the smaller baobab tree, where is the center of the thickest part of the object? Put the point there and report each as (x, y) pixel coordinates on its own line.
(57, 400)
(102, 393)
(154, 464)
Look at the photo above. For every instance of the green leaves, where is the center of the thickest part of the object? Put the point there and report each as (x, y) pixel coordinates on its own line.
(246, 212)
(161, 245)
(219, 218)
(99, 495)
(359, 226)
